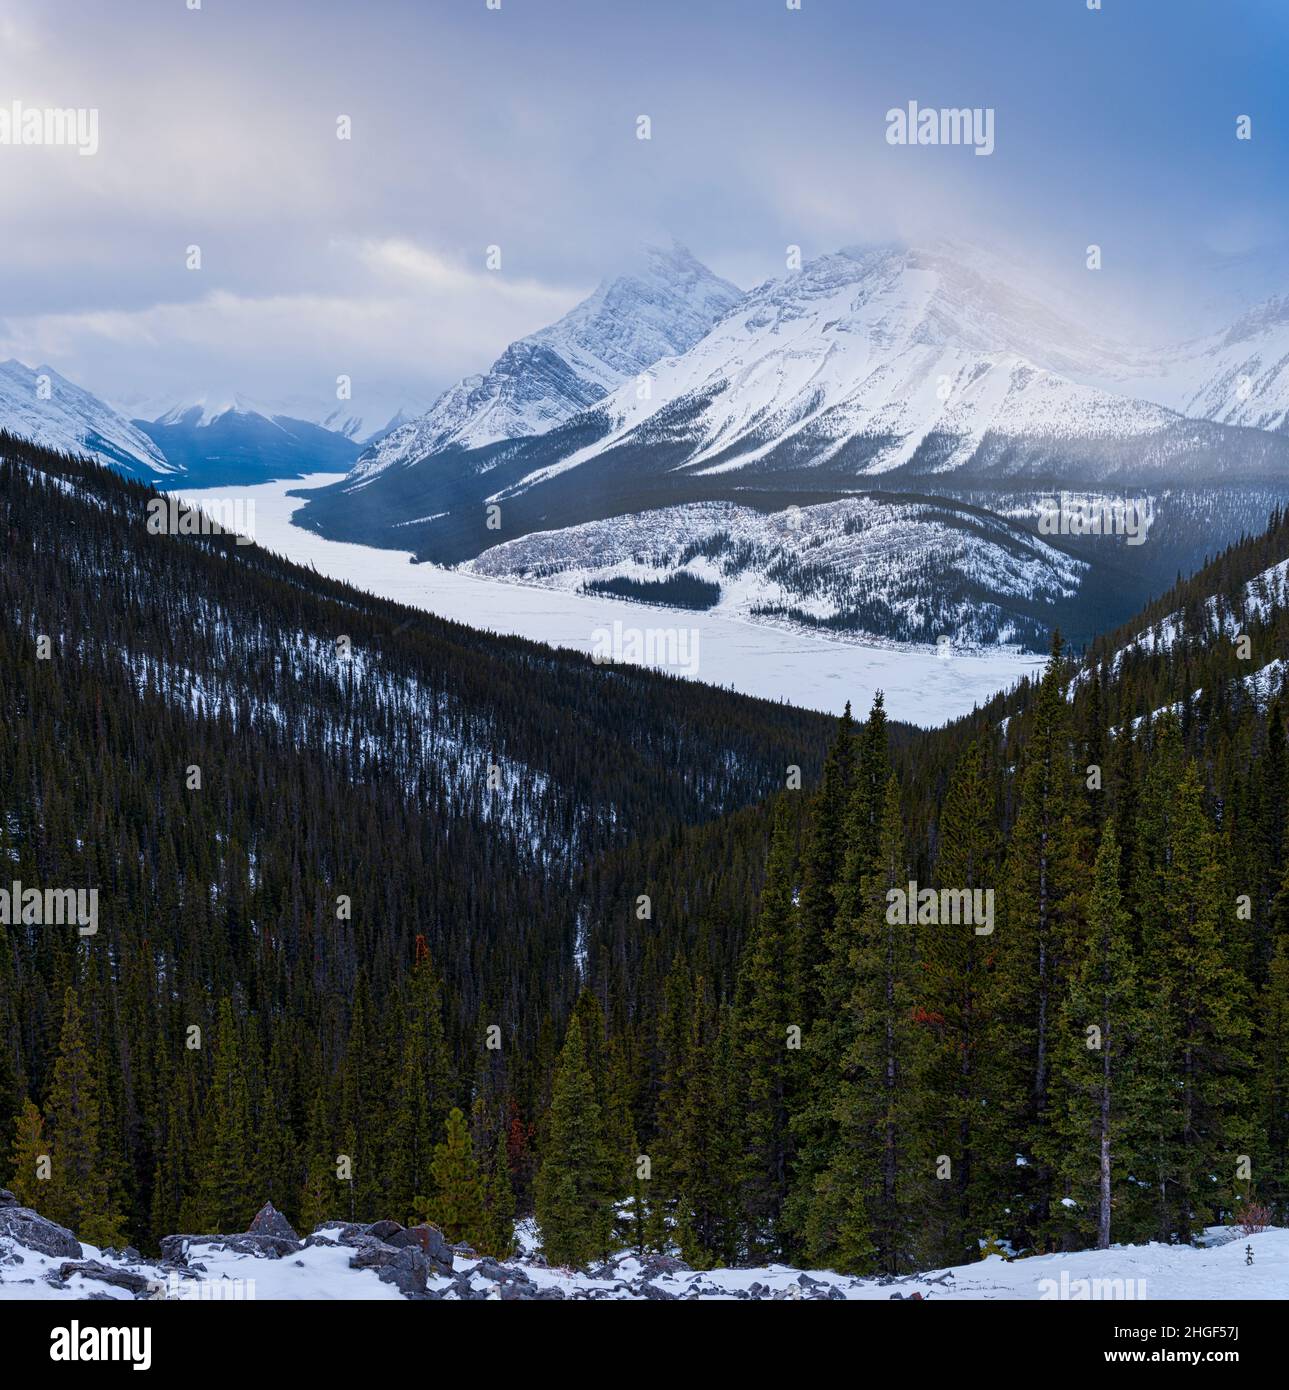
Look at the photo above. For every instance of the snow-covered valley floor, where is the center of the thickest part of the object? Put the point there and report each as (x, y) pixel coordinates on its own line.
(756, 658)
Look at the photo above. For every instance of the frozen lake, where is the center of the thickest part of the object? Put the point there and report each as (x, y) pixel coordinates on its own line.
(816, 671)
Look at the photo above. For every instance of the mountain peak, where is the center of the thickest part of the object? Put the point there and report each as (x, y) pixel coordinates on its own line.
(658, 304)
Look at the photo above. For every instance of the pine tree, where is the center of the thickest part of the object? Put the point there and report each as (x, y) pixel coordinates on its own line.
(767, 1014)
(228, 1199)
(30, 1156)
(1197, 1056)
(456, 1204)
(1273, 1085)
(1038, 907)
(1100, 1133)
(574, 1203)
(499, 1199)
(79, 1195)
(320, 1197)
(422, 1090)
(958, 1010)
(884, 1149)
(826, 1198)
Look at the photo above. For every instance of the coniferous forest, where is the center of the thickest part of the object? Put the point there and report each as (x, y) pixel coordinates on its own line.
(398, 920)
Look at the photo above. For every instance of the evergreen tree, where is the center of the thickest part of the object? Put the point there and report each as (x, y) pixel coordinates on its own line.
(958, 1011)
(79, 1192)
(575, 1182)
(30, 1157)
(1096, 1066)
(228, 1199)
(456, 1205)
(767, 1016)
(884, 1148)
(499, 1199)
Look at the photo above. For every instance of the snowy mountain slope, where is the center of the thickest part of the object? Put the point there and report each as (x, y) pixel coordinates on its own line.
(1223, 616)
(43, 406)
(1239, 376)
(878, 567)
(239, 442)
(658, 308)
(878, 360)
(921, 368)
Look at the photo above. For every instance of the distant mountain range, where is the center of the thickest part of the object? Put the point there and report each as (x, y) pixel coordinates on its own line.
(204, 443)
(867, 374)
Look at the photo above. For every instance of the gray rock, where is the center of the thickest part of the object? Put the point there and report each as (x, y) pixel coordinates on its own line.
(549, 1294)
(32, 1230)
(175, 1249)
(652, 1291)
(491, 1269)
(270, 1222)
(105, 1274)
(7, 1199)
(403, 1266)
(430, 1242)
(383, 1230)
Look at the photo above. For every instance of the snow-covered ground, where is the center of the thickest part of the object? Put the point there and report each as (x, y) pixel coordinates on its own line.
(754, 657)
(1219, 1269)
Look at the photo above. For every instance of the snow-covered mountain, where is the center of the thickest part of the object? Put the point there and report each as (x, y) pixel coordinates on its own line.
(42, 405)
(1239, 376)
(237, 441)
(872, 361)
(659, 307)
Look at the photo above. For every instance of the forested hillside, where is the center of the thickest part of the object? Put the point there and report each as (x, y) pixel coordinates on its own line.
(1106, 1058)
(651, 974)
(286, 793)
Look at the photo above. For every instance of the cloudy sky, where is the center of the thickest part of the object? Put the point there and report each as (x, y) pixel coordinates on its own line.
(517, 127)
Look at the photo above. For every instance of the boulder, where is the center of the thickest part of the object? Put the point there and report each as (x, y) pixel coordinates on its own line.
(7, 1199)
(429, 1241)
(403, 1266)
(32, 1230)
(105, 1274)
(384, 1230)
(270, 1222)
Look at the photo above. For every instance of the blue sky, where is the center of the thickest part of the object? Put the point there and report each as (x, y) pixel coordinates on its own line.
(517, 127)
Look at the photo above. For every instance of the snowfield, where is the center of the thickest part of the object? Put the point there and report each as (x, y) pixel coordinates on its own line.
(816, 671)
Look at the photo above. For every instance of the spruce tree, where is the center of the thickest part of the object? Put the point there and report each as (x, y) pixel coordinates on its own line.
(1099, 1136)
(767, 1016)
(958, 1010)
(456, 1203)
(80, 1195)
(30, 1157)
(574, 1188)
(499, 1199)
